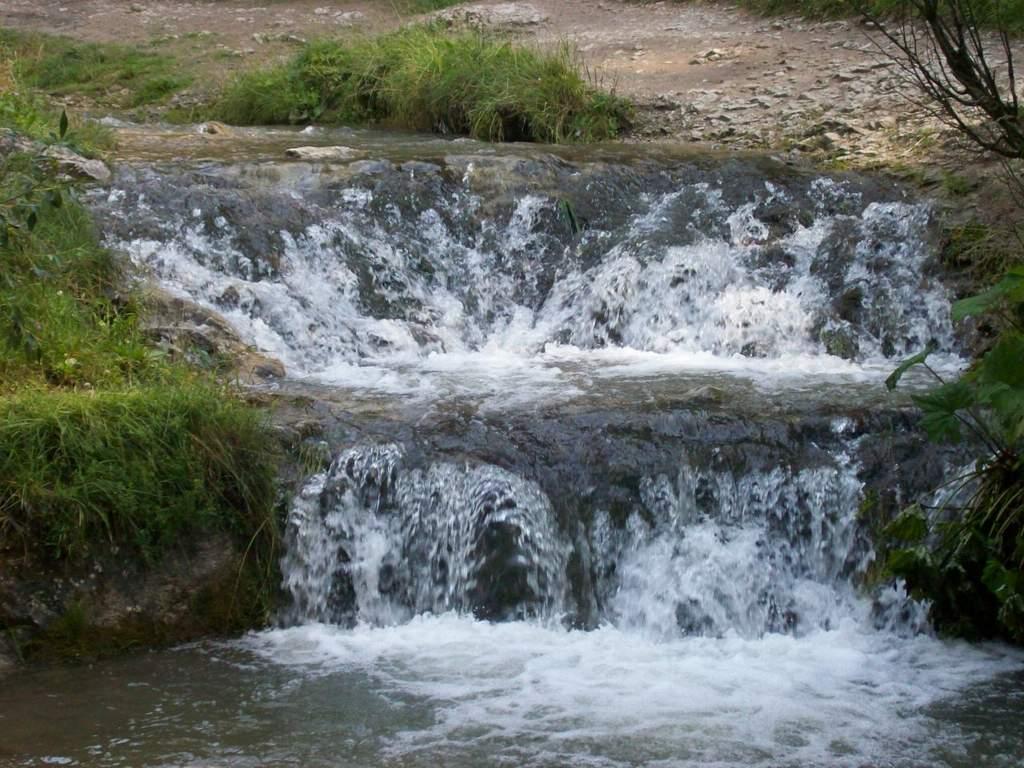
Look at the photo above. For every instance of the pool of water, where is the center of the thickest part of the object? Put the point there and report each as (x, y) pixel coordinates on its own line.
(448, 690)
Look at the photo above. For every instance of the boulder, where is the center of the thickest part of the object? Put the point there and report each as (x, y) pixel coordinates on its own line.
(503, 16)
(323, 154)
(201, 336)
(77, 166)
(68, 162)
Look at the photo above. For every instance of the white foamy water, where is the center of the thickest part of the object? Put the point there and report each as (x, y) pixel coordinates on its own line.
(379, 296)
(732, 631)
(532, 695)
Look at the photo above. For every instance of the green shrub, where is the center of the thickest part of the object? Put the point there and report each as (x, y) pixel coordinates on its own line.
(422, 78)
(967, 556)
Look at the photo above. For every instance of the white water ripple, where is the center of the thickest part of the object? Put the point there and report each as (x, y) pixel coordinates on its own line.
(532, 694)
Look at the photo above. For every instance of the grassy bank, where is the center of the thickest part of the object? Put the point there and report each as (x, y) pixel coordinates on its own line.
(114, 75)
(109, 447)
(141, 468)
(422, 78)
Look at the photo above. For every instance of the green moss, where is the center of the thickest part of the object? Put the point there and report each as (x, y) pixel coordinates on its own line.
(422, 78)
(232, 601)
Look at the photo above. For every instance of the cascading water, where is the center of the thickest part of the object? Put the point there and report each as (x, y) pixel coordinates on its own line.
(354, 274)
(369, 541)
(607, 441)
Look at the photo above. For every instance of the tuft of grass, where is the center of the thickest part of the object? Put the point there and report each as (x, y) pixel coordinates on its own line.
(112, 74)
(983, 252)
(421, 78)
(139, 468)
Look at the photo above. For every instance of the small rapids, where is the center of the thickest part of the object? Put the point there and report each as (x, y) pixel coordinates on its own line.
(382, 274)
(597, 448)
(703, 553)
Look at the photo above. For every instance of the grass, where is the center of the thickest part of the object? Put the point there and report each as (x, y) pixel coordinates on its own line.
(422, 78)
(63, 321)
(32, 116)
(141, 468)
(111, 74)
(107, 445)
(982, 251)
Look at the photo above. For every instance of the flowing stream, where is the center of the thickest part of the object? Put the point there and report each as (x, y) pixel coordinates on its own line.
(602, 432)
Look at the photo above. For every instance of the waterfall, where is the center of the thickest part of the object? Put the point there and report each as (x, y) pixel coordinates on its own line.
(397, 265)
(605, 447)
(374, 542)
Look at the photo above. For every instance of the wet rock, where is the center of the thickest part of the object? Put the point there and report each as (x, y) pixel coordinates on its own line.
(324, 154)
(64, 611)
(77, 166)
(840, 342)
(213, 128)
(69, 163)
(849, 304)
(204, 338)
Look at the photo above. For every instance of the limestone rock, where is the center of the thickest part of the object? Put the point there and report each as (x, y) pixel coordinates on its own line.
(507, 16)
(68, 162)
(323, 154)
(201, 336)
(213, 128)
(75, 165)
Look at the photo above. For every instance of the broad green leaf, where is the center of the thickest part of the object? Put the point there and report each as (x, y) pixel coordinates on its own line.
(940, 407)
(1004, 363)
(1010, 288)
(63, 123)
(915, 566)
(1000, 377)
(1000, 581)
(910, 362)
(910, 526)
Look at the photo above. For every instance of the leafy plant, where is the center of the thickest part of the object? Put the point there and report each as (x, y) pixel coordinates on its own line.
(25, 193)
(966, 553)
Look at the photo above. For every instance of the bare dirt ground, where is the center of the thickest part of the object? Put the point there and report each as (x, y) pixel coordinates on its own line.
(705, 72)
